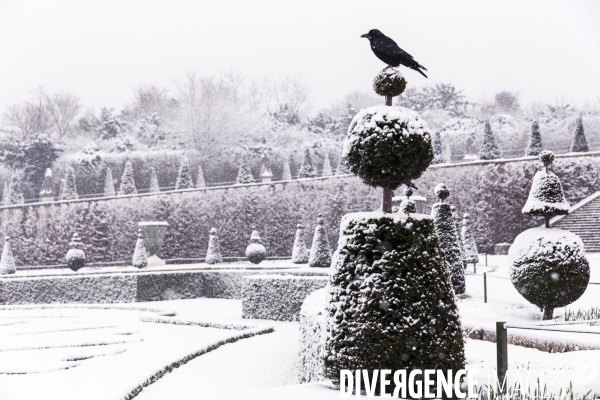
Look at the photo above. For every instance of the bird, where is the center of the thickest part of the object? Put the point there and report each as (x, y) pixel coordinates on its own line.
(390, 53)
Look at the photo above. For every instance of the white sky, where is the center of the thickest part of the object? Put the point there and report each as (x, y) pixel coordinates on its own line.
(101, 50)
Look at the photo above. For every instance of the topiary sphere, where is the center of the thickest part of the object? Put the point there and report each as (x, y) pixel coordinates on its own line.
(547, 157)
(441, 191)
(388, 146)
(389, 82)
(549, 267)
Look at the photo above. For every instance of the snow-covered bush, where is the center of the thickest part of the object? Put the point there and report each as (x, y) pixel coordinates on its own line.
(14, 192)
(312, 337)
(299, 252)
(70, 189)
(443, 222)
(184, 178)
(579, 142)
(389, 82)
(286, 175)
(154, 186)
(438, 150)
(200, 183)
(140, 256)
(127, 181)
(408, 205)
(489, 149)
(255, 252)
(468, 241)
(320, 252)
(326, 166)
(109, 185)
(213, 254)
(7, 262)
(307, 167)
(244, 172)
(535, 143)
(75, 256)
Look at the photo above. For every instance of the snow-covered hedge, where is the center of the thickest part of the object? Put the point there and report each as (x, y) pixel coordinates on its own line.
(277, 297)
(312, 325)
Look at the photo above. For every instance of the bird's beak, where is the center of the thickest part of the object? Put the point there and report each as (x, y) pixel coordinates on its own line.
(366, 35)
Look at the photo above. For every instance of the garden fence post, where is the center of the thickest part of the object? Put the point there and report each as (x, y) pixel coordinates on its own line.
(502, 355)
(485, 287)
(486, 259)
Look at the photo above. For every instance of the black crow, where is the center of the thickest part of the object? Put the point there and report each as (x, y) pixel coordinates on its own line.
(388, 51)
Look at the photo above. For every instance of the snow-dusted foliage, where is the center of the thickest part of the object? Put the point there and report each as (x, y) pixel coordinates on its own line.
(109, 185)
(244, 173)
(266, 174)
(7, 262)
(154, 186)
(70, 188)
(320, 252)
(299, 252)
(326, 166)
(489, 149)
(443, 222)
(438, 150)
(184, 178)
(15, 194)
(312, 337)
(213, 254)
(200, 183)
(535, 143)
(127, 180)
(277, 297)
(549, 267)
(468, 241)
(140, 256)
(286, 174)
(382, 141)
(457, 226)
(47, 189)
(441, 191)
(389, 82)
(307, 167)
(75, 257)
(391, 304)
(408, 205)
(255, 252)
(579, 142)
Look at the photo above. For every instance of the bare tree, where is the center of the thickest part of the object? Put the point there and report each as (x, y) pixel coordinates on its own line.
(29, 117)
(63, 108)
(291, 93)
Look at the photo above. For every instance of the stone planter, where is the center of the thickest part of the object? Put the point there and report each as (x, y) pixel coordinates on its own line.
(154, 234)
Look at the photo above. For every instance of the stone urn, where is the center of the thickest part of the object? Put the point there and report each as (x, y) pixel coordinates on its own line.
(154, 234)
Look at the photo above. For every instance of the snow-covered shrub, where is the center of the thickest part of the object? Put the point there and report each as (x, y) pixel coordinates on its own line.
(579, 142)
(140, 256)
(244, 173)
(213, 254)
(307, 167)
(75, 256)
(408, 205)
(443, 222)
(109, 185)
(7, 262)
(389, 82)
(255, 252)
(70, 189)
(458, 226)
(312, 337)
(489, 149)
(391, 302)
(200, 183)
(535, 143)
(438, 150)
(468, 241)
(549, 268)
(127, 181)
(320, 252)
(299, 252)
(184, 178)
(14, 192)
(286, 175)
(154, 186)
(277, 297)
(326, 166)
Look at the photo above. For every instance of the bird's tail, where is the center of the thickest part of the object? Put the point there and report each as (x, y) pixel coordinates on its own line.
(417, 68)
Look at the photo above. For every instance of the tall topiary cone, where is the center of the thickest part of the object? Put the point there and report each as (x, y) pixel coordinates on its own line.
(200, 183)
(75, 256)
(109, 186)
(579, 142)
(127, 181)
(213, 254)
(489, 149)
(320, 252)
(184, 178)
(535, 143)
(7, 262)
(443, 222)
(140, 255)
(468, 241)
(391, 303)
(299, 252)
(255, 252)
(154, 186)
(549, 266)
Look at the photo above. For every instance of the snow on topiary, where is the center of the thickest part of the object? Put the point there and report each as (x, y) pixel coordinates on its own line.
(286, 175)
(468, 241)
(47, 189)
(255, 252)
(140, 255)
(389, 82)
(438, 150)
(127, 181)
(546, 197)
(307, 168)
(443, 222)
(15, 194)
(70, 189)
(184, 177)
(320, 252)
(391, 304)
(535, 143)
(109, 185)
(200, 183)
(579, 143)
(213, 254)
(312, 337)
(154, 186)
(387, 147)
(549, 268)
(244, 173)
(299, 253)
(489, 149)
(457, 226)
(408, 205)
(326, 166)
(7, 262)
(75, 256)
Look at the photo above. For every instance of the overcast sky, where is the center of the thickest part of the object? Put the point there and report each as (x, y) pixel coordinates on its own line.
(102, 50)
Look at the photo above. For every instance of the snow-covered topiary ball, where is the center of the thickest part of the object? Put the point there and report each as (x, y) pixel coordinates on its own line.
(75, 256)
(441, 191)
(549, 267)
(388, 146)
(389, 82)
(255, 252)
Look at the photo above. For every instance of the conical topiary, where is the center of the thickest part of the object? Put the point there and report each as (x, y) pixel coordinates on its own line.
(438, 150)
(299, 253)
(15, 194)
(200, 183)
(443, 222)
(154, 186)
(140, 255)
(307, 168)
(70, 189)
(7, 262)
(535, 143)
(326, 166)
(469, 245)
(286, 175)
(109, 185)
(75, 256)
(213, 254)
(320, 252)
(457, 226)
(184, 178)
(546, 198)
(408, 205)
(244, 173)
(489, 149)
(579, 143)
(255, 252)
(127, 181)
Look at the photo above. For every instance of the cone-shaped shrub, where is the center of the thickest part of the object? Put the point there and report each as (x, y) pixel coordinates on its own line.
(307, 168)
(70, 189)
(154, 186)
(244, 173)
(184, 178)
(75, 256)
(489, 148)
(200, 183)
(286, 175)
(457, 226)
(299, 252)
(408, 205)
(469, 245)
(127, 181)
(327, 166)
(7, 262)
(213, 254)
(320, 252)
(438, 150)
(443, 222)
(535, 143)
(109, 185)
(255, 252)
(579, 142)
(15, 194)
(140, 255)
